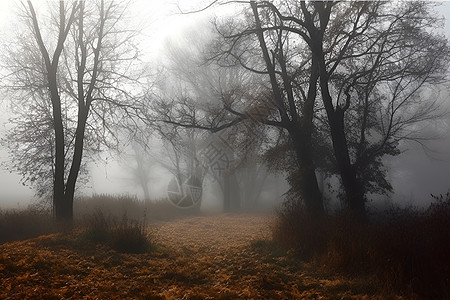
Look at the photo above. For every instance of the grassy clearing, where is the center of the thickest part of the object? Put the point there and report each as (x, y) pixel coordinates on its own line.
(405, 250)
(208, 257)
(402, 252)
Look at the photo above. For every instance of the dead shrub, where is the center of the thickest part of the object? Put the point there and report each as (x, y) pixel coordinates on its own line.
(21, 225)
(125, 236)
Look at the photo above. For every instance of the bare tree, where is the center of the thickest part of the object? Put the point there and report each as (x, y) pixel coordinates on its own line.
(79, 59)
(191, 106)
(363, 49)
(263, 93)
(370, 60)
(138, 163)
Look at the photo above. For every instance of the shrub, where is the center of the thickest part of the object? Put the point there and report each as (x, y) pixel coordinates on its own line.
(126, 236)
(130, 237)
(98, 227)
(300, 232)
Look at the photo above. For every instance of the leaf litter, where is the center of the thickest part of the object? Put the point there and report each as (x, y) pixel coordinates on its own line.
(201, 257)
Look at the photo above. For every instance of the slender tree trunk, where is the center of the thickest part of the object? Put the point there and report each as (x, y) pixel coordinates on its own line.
(146, 191)
(226, 193)
(76, 163)
(84, 102)
(61, 209)
(235, 199)
(58, 181)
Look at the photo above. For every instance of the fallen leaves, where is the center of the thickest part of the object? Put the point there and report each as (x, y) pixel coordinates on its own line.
(197, 258)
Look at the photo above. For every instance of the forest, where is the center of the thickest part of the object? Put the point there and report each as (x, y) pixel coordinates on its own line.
(257, 145)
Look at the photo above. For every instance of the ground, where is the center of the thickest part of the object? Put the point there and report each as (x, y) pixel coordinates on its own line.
(201, 257)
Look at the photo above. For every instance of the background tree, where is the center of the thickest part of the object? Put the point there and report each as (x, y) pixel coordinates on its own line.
(351, 52)
(139, 163)
(205, 95)
(269, 99)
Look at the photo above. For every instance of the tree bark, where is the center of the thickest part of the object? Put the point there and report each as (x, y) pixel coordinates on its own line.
(353, 188)
(58, 183)
(306, 176)
(76, 164)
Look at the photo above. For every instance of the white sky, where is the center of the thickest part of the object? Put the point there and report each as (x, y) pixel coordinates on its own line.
(160, 21)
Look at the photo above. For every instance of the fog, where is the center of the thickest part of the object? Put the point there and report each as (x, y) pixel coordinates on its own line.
(414, 174)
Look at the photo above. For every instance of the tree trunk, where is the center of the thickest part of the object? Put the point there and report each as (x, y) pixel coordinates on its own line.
(58, 181)
(226, 193)
(61, 209)
(235, 199)
(76, 163)
(335, 115)
(353, 188)
(299, 129)
(146, 192)
(306, 177)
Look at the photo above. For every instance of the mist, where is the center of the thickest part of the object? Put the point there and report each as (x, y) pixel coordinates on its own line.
(413, 174)
(224, 149)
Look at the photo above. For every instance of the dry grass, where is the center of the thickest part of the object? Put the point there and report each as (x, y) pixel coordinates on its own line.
(118, 205)
(20, 225)
(213, 257)
(406, 250)
(125, 236)
(32, 222)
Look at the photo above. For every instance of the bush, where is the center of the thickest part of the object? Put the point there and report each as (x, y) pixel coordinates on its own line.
(130, 237)
(407, 250)
(98, 227)
(25, 224)
(126, 236)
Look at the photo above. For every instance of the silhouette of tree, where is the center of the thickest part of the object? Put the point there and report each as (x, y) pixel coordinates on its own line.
(74, 60)
(368, 62)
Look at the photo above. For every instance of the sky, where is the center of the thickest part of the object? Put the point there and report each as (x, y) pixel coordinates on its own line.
(414, 175)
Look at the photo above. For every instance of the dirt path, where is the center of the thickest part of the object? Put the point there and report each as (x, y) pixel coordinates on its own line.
(209, 257)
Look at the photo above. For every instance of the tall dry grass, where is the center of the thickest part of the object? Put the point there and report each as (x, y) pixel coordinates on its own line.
(406, 250)
(24, 224)
(124, 235)
(118, 205)
(35, 221)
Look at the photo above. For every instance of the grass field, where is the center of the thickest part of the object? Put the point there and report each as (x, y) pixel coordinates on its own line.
(120, 247)
(200, 257)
